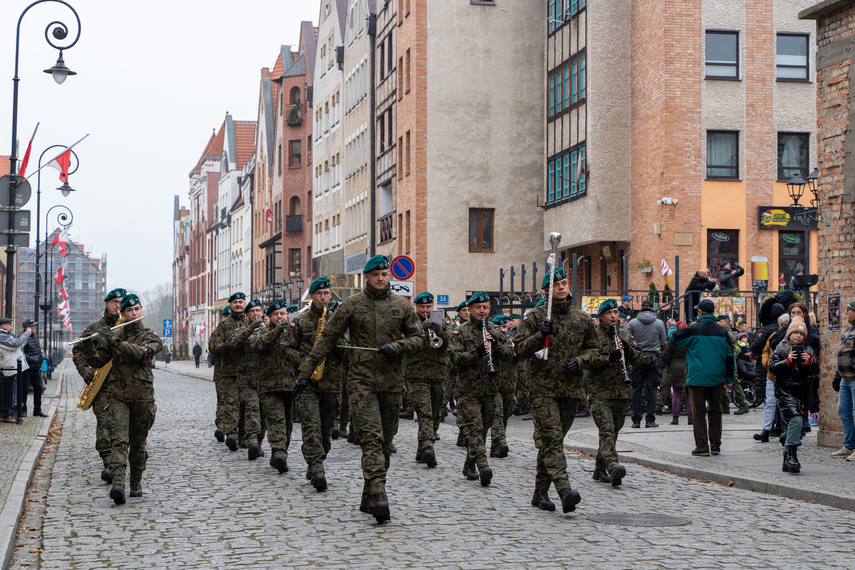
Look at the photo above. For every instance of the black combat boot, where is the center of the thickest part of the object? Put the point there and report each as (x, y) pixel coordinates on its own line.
(105, 475)
(280, 463)
(617, 474)
(344, 434)
(336, 432)
(470, 471)
(136, 489)
(493, 450)
(569, 499)
(419, 454)
(392, 448)
(232, 443)
(220, 435)
(260, 451)
(791, 460)
(436, 436)
(461, 439)
(762, 436)
(117, 493)
(601, 476)
(541, 501)
(485, 474)
(253, 452)
(502, 450)
(429, 457)
(406, 415)
(319, 481)
(367, 504)
(381, 508)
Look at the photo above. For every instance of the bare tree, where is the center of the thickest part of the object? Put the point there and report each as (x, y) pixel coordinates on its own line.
(157, 305)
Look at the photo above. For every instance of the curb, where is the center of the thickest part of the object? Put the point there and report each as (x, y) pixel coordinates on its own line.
(187, 374)
(738, 482)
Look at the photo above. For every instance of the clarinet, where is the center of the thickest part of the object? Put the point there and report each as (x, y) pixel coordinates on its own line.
(626, 379)
(490, 367)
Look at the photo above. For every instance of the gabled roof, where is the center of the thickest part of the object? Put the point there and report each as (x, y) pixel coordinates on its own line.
(341, 12)
(309, 44)
(239, 141)
(297, 68)
(269, 117)
(213, 149)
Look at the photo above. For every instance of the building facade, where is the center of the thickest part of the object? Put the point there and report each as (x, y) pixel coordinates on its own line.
(180, 275)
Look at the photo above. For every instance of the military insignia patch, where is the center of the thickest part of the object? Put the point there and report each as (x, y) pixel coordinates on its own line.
(396, 313)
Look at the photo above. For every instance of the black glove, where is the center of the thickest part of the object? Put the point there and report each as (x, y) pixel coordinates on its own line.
(300, 385)
(614, 355)
(88, 376)
(546, 326)
(481, 350)
(572, 365)
(388, 351)
(836, 382)
(435, 327)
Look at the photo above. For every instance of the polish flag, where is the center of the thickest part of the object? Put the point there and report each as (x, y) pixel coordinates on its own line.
(22, 172)
(62, 238)
(268, 214)
(59, 276)
(63, 294)
(63, 160)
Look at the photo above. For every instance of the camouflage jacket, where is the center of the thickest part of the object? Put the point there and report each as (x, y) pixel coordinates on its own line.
(274, 373)
(429, 364)
(90, 354)
(607, 377)
(473, 368)
(247, 366)
(508, 373)
(374, 318)
(573, 336)
(846, 354)
(131, 379)
(301, 339)
(225, 342)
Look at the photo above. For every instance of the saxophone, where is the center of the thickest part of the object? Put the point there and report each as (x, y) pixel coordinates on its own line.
(319, 371)
(87, 396)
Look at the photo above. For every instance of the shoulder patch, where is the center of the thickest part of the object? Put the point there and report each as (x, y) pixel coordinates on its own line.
(293, 324)
(525, 319)
(455, 332)
(154, 333)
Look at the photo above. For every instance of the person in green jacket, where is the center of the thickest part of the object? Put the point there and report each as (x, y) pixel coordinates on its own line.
(711, 368)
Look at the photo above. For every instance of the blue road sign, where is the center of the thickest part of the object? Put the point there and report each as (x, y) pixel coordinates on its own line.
(442, 299)
(167, 324)
(403, 268)
(167, 333)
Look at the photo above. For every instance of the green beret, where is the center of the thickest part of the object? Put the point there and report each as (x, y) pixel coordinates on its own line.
(607, 305)
(129, 301)
(376, 262)
(515, 316)
(335, 305)
(462, 305)
(275, 306)
(539, 303)
(500, 320)
(559, 275)
(851, 305)
(723, 318)
(319, 283)
(115, 294)
(236, 296)
(291, 308)
(478, 297)
(253, 303)
(423, 298)
(227, 310)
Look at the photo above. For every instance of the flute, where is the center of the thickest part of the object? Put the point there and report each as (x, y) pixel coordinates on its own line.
(490, 367)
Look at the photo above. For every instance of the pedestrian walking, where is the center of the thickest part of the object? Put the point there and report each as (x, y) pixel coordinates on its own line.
(197, 353)
(844, 382)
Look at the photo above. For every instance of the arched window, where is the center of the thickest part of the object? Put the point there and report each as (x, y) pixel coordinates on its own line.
(295, 206)
(295, 95)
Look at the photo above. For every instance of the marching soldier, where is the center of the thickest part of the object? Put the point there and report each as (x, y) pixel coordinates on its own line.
(556, 383)
(379, 320)
(275, 383)
(608, 394)
(426, 371)
(84, 356)
(476, 346)
(223, 345)
(462, 431)
(247, 381)
(316, 406)
(219, 434)
(504, 399)
(130, 394)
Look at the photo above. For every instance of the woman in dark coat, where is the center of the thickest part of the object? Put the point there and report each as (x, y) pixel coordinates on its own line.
(699, 283)
(674, 372)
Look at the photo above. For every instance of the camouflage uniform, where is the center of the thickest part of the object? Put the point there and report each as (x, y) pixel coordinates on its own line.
(374, 318)
(130, 390)
(608, 396)
(426, 372)
(275, 386)
(224, 345)
(477, 389)
(738, 392)
(316, 406)
(555, 392)
(247, 385)
(85, 356)
(504, 403)
(522, 385)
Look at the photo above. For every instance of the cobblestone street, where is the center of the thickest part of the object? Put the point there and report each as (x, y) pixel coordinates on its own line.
(209, 508)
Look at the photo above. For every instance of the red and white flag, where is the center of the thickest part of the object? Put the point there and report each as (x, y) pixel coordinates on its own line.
(268, 214)
(62, 161)
(61, 238)
(59, 276)
(22, 172)
(63, 294)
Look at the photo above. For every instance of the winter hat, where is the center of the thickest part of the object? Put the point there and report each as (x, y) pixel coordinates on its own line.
(797, 324)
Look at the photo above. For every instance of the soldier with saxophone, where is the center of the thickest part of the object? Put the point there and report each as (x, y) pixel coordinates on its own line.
(223, 345)
(476, 348)
(247, 381)
(426, 372)
(316, 406)
(85, 359)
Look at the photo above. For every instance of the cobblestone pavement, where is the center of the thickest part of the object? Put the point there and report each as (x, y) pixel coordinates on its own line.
(207, 507)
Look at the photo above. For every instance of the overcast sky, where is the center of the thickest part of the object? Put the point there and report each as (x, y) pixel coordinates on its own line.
(154, 79)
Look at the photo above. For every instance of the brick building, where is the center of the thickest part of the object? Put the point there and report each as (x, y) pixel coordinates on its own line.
(180, 266)
(835, 37)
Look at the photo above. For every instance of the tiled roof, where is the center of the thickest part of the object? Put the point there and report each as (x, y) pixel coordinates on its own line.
(244, 142)
(213, 149)
(4, 165)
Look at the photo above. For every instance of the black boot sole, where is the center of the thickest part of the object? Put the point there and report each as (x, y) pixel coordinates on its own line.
(117, 495)
(280, 463)
(319, 483)
(486, 475)
(231, 443)
(617, 475)
(381, 512)
(569, 501)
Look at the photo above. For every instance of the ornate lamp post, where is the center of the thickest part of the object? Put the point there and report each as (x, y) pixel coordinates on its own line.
(796, 189)
(64, 219)
(300, 287)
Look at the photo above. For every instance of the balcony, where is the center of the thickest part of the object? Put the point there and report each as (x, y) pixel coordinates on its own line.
(387, 228)
(294, 223)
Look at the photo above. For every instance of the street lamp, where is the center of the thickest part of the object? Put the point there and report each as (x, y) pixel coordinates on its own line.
(300, 287)
(277, 291)
(796, 188)
(64, 219)
(59, 31)
(65, 189)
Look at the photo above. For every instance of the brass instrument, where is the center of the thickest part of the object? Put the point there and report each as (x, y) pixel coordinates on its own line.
(120, 320)
(626, 379)
(490, 367)
(319, 371)
(87, 396)
(435, 341)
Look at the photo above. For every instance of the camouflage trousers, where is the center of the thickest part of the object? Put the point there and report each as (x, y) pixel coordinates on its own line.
(375, 416)
(278, 410)
(218, 386)
(103, 433)
(407, 398)
(428, 402)
(664, 397)
(130, 423)
(478, 414)
(738, 395)
(253, 421)
(609, 415)
(230, 412)
(522, 393)
(317, 416)
(343, 413)
(553, 418)
(504, 410)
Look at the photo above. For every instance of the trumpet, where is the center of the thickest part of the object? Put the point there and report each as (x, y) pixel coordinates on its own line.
(435, 341)
(490, 367)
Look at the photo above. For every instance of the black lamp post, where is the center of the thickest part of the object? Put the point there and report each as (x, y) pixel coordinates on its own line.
(796, 189)
(64, 219)
(66, 190)
(59, 32)
(300, 287)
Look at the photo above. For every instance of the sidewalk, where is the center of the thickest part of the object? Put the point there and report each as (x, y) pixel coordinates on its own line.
(187, 368)
(20, 448)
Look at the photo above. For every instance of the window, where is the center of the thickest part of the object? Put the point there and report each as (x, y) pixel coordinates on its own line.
(407, 154)
(279, 158)
(296, 154)
(381, 130)
(407, 71)
(722, 55)
(722, 245)
(791, 254)
(722, 154)
(481, 230)
(791, 57)
(567, 85)
(566, 176)
(792, 155)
